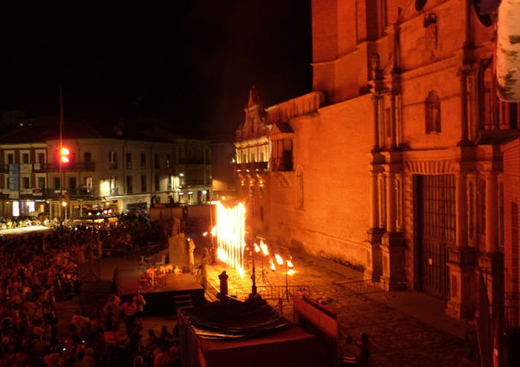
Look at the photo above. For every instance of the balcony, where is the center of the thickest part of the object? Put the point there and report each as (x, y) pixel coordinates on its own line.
(252, 167)
(69, 167)
(55, 194)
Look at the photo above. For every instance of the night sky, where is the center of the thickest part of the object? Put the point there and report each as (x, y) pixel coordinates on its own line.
(187, 63)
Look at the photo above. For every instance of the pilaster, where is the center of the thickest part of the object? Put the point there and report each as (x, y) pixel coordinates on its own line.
(393, 261)
(373, 266)
(461, 264)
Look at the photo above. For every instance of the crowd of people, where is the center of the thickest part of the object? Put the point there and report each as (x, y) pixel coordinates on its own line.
(38, 270)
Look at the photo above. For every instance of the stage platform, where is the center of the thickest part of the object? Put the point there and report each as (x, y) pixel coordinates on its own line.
(162, 299)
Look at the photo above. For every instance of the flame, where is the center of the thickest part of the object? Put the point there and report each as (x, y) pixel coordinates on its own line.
(290, 271)
(230, 231)
(204, 234)
(271, 264)
(264, 248)
(290, 264)
(257, 248)
(214, 231)
(279, 259)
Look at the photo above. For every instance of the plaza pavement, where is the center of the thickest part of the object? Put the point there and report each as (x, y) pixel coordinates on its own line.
(406, 328)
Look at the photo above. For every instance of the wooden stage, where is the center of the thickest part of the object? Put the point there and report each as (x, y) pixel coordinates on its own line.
(161, 298)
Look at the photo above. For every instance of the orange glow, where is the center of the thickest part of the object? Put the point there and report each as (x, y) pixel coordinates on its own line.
(271, 264)
(64, 153)
(290, 264)
(257, 248)
(214, 231)
(230, 231)
(264, 248)
(279, 259)
(290, 271)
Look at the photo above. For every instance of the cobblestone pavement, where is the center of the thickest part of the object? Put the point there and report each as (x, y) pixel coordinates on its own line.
(398, 339)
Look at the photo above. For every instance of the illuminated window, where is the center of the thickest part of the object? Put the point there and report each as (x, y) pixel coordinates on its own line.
(112, 159)
(89, 184)
(16, 208)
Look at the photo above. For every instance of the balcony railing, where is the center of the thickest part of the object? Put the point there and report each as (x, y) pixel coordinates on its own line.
(252, 167)
(48, 193)
(72, 166)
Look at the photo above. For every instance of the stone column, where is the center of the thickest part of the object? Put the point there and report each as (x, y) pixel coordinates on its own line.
(390, 197)
(492, 261)
(461, 210)
(374, 200)
(373, 240)
(377, 100)
(463, 74)
(460, 263)
(392, 247)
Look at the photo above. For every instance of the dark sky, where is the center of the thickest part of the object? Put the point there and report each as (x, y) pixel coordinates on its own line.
(190, 63)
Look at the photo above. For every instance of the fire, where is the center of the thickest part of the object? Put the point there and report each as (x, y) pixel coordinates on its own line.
(230, 231)
(279, 259)
(264, 248)
(257, 248)
(271, 264)
(290, 264)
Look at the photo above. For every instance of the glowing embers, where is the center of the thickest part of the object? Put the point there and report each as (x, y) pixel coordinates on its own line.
(230, 231)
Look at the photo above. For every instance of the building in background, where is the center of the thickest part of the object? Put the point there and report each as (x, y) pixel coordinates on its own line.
(224, 187)
(107, 168)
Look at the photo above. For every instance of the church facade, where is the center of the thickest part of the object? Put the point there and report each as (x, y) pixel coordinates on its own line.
(394, 162)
